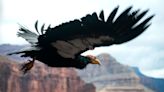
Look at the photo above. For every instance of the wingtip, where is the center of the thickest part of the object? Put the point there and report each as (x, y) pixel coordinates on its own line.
(147, 26)
(152, 15)
(101, 15)
(117, 7)
(149, 18)
(102, 12)
(112, 15)
(36, 27)
(146, 11)
(138, 10)
(36, 24)
(42, 29)
(129, 8)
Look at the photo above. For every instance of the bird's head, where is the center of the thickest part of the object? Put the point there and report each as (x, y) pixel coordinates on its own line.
(89, 59)
(93, 59)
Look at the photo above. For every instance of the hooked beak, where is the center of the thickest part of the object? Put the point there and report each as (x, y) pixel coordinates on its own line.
(96, 61)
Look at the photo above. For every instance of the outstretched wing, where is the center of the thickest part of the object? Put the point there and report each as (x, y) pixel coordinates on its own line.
(74, 37)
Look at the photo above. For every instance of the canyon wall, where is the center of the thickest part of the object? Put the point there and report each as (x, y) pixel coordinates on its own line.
(40, 79)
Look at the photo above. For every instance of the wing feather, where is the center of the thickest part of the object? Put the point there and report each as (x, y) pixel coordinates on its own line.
(74, 37)
(29, 36)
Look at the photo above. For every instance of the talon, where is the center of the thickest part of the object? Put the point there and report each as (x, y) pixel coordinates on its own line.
(27, 66)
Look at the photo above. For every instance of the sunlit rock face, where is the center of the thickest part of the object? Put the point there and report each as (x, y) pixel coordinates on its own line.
(112, 76)
(40, 79)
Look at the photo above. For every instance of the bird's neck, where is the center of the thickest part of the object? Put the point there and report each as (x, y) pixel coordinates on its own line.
(83, 61)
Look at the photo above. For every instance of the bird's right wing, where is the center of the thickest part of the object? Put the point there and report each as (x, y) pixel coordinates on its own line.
(74, 37)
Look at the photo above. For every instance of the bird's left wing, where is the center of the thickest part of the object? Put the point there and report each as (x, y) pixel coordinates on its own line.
(73, 38)
(29, 36)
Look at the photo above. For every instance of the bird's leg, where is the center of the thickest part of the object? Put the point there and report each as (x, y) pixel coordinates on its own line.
(27, 66)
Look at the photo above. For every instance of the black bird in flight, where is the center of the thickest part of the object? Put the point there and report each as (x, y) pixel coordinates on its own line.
(61, 46)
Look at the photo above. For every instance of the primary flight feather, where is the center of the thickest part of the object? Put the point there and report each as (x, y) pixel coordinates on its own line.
(61, 46)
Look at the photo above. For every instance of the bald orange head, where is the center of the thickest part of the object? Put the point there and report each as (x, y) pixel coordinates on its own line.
(93, 59)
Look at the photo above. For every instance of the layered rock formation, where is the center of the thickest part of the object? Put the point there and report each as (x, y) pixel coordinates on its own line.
(112, 76)
(40, 79)
(153, 83)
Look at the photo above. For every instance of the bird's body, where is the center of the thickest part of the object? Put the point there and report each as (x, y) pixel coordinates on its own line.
(50, 57)
(46, 55)
(62, 45)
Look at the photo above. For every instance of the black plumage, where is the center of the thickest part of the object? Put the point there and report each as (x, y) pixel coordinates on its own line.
(62, 45)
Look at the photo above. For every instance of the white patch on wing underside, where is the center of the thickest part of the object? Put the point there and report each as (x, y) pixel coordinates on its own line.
(68, 49)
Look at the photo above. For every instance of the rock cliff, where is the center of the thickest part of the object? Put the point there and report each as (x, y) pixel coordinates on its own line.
(112, 76)
(40, 79)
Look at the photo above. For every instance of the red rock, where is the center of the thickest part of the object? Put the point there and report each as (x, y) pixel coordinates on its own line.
(40, 79)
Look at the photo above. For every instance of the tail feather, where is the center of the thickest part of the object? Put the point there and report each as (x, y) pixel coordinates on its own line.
(27, 52)
(15, 53)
